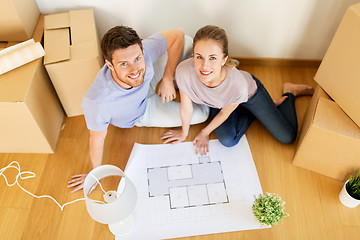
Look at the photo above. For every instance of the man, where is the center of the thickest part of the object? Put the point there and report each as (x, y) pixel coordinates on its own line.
(123, 93)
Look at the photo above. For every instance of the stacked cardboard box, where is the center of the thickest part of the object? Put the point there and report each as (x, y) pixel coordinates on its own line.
(73, 56)
(30, 112)
(339, 72)
(18, 19)
(329, 142)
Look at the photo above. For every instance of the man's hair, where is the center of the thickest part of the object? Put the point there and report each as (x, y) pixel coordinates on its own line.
(119, 37)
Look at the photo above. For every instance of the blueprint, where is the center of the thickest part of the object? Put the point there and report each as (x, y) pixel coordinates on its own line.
(184, 194)
(189, 185)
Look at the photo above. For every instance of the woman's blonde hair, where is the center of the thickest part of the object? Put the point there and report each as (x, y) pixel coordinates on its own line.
(217, 34)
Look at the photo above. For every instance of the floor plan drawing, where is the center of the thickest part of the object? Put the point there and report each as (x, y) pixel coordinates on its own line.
(180, 193)
(189, 185)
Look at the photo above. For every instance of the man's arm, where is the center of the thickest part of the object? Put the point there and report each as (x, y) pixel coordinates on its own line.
(96, 144)
(175, 42)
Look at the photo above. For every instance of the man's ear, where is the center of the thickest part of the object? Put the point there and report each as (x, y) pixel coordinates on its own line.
(108, 63)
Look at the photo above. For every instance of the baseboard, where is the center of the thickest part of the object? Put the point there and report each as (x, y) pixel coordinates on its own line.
(278, 62)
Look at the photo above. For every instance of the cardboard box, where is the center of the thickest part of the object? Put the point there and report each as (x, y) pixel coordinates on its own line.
(30, 112)
(18, 19)
(339, 72)
(73, 56)
(329, 141)
(31, 115)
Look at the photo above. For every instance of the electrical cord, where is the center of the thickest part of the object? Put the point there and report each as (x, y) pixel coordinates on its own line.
(32, 175)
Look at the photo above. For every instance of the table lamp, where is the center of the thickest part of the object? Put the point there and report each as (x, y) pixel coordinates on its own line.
(116, 212)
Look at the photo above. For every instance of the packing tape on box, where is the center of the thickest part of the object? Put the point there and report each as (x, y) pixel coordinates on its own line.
(19, 54)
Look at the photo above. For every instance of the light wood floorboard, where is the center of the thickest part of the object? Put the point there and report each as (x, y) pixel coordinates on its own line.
(311, 198)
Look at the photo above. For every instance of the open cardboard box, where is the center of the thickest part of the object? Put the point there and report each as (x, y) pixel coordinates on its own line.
(73, 56)
(30, 112)
(329, 141)
(339, 72)
(18, 19)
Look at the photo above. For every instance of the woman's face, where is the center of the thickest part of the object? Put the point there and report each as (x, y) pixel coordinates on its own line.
(208, 60)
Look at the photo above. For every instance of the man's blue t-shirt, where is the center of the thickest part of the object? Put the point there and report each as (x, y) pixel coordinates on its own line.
(107, 103)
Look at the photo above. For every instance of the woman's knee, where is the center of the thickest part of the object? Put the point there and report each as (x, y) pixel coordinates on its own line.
(229, 140)
(287, 138)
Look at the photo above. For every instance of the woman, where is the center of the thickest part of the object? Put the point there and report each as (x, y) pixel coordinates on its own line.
(235, 97)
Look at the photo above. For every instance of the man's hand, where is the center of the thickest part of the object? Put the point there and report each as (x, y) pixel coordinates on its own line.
(175, 44)
(166, 91)
(173, 136)
(202, 143)
(77, 181)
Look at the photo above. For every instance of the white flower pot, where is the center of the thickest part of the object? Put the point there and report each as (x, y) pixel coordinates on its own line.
(346, 199)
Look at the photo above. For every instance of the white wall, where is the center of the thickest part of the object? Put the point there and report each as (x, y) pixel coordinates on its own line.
(300, 29)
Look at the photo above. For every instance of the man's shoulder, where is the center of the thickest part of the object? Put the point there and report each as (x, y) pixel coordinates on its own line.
(154, 46)
(156, 37)
(99, 86)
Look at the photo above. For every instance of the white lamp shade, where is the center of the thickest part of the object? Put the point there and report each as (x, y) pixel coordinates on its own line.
(117, 210)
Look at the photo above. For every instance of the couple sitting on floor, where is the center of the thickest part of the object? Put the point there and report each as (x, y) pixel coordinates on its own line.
(123, 93)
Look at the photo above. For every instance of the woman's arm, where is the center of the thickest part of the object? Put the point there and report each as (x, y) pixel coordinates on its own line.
(186, 111)
(219, 118)
(202, 139)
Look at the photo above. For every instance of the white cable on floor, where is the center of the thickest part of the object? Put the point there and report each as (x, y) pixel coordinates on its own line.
(31, 175)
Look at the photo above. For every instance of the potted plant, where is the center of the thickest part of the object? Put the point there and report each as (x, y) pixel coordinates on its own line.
(350, 193)
(269, 209)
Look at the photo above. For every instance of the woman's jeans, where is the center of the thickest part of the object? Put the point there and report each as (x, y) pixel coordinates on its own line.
(280, 121)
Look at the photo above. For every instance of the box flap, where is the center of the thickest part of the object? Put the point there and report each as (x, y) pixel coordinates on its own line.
(329, 116)
(57, 45)
(19, 54)
(55, 21)
(81, 30)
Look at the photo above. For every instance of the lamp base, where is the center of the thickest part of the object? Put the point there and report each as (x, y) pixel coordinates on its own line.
(123, 227)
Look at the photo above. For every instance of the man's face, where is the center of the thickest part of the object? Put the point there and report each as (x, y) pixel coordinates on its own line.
(128, 66)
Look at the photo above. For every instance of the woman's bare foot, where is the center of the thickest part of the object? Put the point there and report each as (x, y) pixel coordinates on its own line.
(298, 89)
(279, 101)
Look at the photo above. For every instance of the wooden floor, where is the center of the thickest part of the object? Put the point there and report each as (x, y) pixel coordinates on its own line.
(311, 199)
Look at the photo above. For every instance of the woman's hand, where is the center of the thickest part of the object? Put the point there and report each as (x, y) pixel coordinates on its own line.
(173, 136)
(202, 143)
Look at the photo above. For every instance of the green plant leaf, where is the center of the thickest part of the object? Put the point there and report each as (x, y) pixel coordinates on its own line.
(269, 209)
(353, 186)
